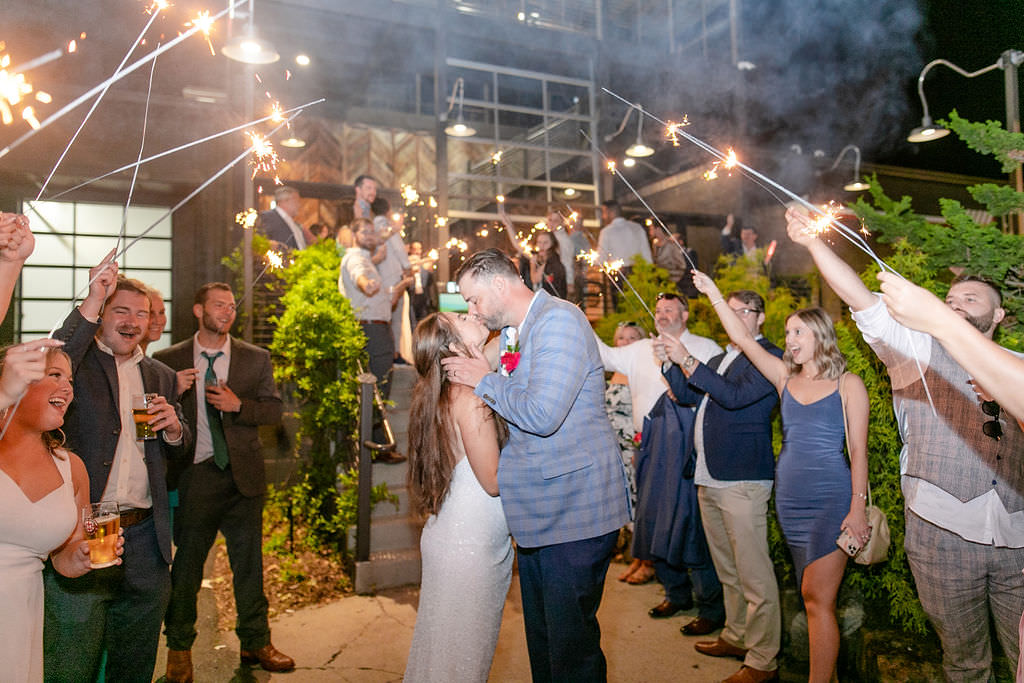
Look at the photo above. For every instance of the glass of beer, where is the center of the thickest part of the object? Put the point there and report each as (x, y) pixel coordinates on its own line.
(102, 524)
(140, 412)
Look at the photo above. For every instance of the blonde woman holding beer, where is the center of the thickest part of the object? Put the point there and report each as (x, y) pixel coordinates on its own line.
(43, 489)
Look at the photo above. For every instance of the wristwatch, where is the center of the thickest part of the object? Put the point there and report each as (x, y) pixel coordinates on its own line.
(689, 363)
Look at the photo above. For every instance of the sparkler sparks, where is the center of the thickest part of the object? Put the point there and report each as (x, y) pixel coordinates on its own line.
(500, 199)
(591, 257)
(672, 130)
(441, 221)
(410, 195)
(274, 259)
(456, 243)
(204, 22)
(610, 165)
(157, 6)
(247, 218)
(496, 158)
(264, 157)
(729, 162)
(276, 115)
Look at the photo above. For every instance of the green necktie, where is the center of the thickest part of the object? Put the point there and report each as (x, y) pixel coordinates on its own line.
(220, 445)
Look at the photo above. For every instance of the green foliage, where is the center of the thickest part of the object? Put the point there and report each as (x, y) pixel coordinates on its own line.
(647, 280)
(268, 282)
(990, 138)
(319, 345)
(961, 245)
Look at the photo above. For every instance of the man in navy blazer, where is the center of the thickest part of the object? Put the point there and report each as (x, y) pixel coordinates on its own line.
(735, 467)
(118, 609)
(562, 483)
(279, 223)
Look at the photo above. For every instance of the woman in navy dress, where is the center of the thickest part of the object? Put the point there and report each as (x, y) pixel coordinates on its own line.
(818, 495)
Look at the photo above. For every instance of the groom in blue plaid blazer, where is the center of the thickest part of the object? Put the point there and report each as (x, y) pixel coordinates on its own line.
(563, 487)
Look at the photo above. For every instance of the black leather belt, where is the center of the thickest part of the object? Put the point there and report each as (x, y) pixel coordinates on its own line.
(133, 516)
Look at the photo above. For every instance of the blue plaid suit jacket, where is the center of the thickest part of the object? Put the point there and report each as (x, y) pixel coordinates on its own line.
(561, 475)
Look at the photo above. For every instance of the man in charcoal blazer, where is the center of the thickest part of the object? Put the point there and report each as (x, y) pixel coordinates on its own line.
(563, 486)
(735, 467)
(117, 609)
(228, 391)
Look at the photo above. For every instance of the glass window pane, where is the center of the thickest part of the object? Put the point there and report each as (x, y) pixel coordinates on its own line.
(140, 218)
(98, 219)
(52, 250)
(50, 217)
(149, 254)
(90, 250)
(161, 280)
(46, 283)
(39, 317)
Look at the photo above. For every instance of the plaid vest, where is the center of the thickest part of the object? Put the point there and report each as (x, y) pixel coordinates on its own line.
(951, 450)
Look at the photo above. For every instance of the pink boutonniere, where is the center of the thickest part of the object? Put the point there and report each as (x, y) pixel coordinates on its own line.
(509, 358)
(637, 438)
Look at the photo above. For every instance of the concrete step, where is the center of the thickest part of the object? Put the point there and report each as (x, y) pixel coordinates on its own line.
(385, 510)
(387, 569)
(390, 533)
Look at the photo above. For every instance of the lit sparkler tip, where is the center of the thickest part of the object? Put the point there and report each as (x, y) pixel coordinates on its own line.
(496, 157)
(157, 6)
(274, 259)
(29, 115)
(441, 221)
(500, 199)
(72, 46)
(276, 115)
(613, 266)
(247, 218)
(204, 22)
(730, 159)
(410, 195)
(672, 130)
(610, 166)
(432, 203)
(590, 257)
(264, 156)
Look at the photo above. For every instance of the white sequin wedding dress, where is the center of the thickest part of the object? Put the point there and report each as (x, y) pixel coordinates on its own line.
(467, 567)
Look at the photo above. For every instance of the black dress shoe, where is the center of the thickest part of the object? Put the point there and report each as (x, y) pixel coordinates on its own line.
(667, 609)
(700, 627)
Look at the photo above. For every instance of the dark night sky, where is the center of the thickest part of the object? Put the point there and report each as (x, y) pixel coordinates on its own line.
(971, 34)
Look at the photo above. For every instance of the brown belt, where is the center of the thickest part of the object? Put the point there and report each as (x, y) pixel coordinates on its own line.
(375, 322)
(134, 516)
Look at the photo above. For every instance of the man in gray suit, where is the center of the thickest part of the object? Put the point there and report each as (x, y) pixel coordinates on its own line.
(563, 486)
(962, 482)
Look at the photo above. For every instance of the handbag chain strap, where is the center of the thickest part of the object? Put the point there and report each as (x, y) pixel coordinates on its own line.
(846, 432)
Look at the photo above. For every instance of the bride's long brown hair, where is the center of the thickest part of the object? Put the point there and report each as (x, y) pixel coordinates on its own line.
(431, 428)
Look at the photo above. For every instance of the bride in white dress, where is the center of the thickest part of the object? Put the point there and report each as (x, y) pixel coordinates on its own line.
(454, 442)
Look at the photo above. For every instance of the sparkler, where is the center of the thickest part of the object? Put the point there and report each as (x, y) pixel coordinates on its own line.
(99, 99)
(496, 158)
(179, 148)
(113, 79)
(410, 195)
(264, 157)
(204, 22)
(672, 130)
(142, 145)
(765, 182)
(642, 200)
(729, 162)
(275, 261)
(116, 254)
(247, 218)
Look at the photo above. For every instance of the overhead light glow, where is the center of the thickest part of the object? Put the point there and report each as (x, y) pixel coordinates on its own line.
(302, 60)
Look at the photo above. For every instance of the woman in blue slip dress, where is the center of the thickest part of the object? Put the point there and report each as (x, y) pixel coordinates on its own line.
(818, 495)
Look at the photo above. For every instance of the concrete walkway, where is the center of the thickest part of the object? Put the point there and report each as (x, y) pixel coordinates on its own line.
(366, 639)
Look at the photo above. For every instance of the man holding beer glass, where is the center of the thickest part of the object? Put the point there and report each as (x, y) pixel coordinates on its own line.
(116, 609)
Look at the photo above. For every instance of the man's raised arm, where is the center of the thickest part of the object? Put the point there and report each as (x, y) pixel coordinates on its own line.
(837, 273)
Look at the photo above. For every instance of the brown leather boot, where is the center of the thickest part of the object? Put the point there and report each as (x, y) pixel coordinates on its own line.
(268, 657)
(179, 666)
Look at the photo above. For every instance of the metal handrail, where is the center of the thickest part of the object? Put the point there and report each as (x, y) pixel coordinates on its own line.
(368, 396)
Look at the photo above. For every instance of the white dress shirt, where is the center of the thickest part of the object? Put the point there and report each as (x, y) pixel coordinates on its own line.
(204, 442)
(983, 519)
(622, 239)
(357, 262)
(128, 481)
(643, 369)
